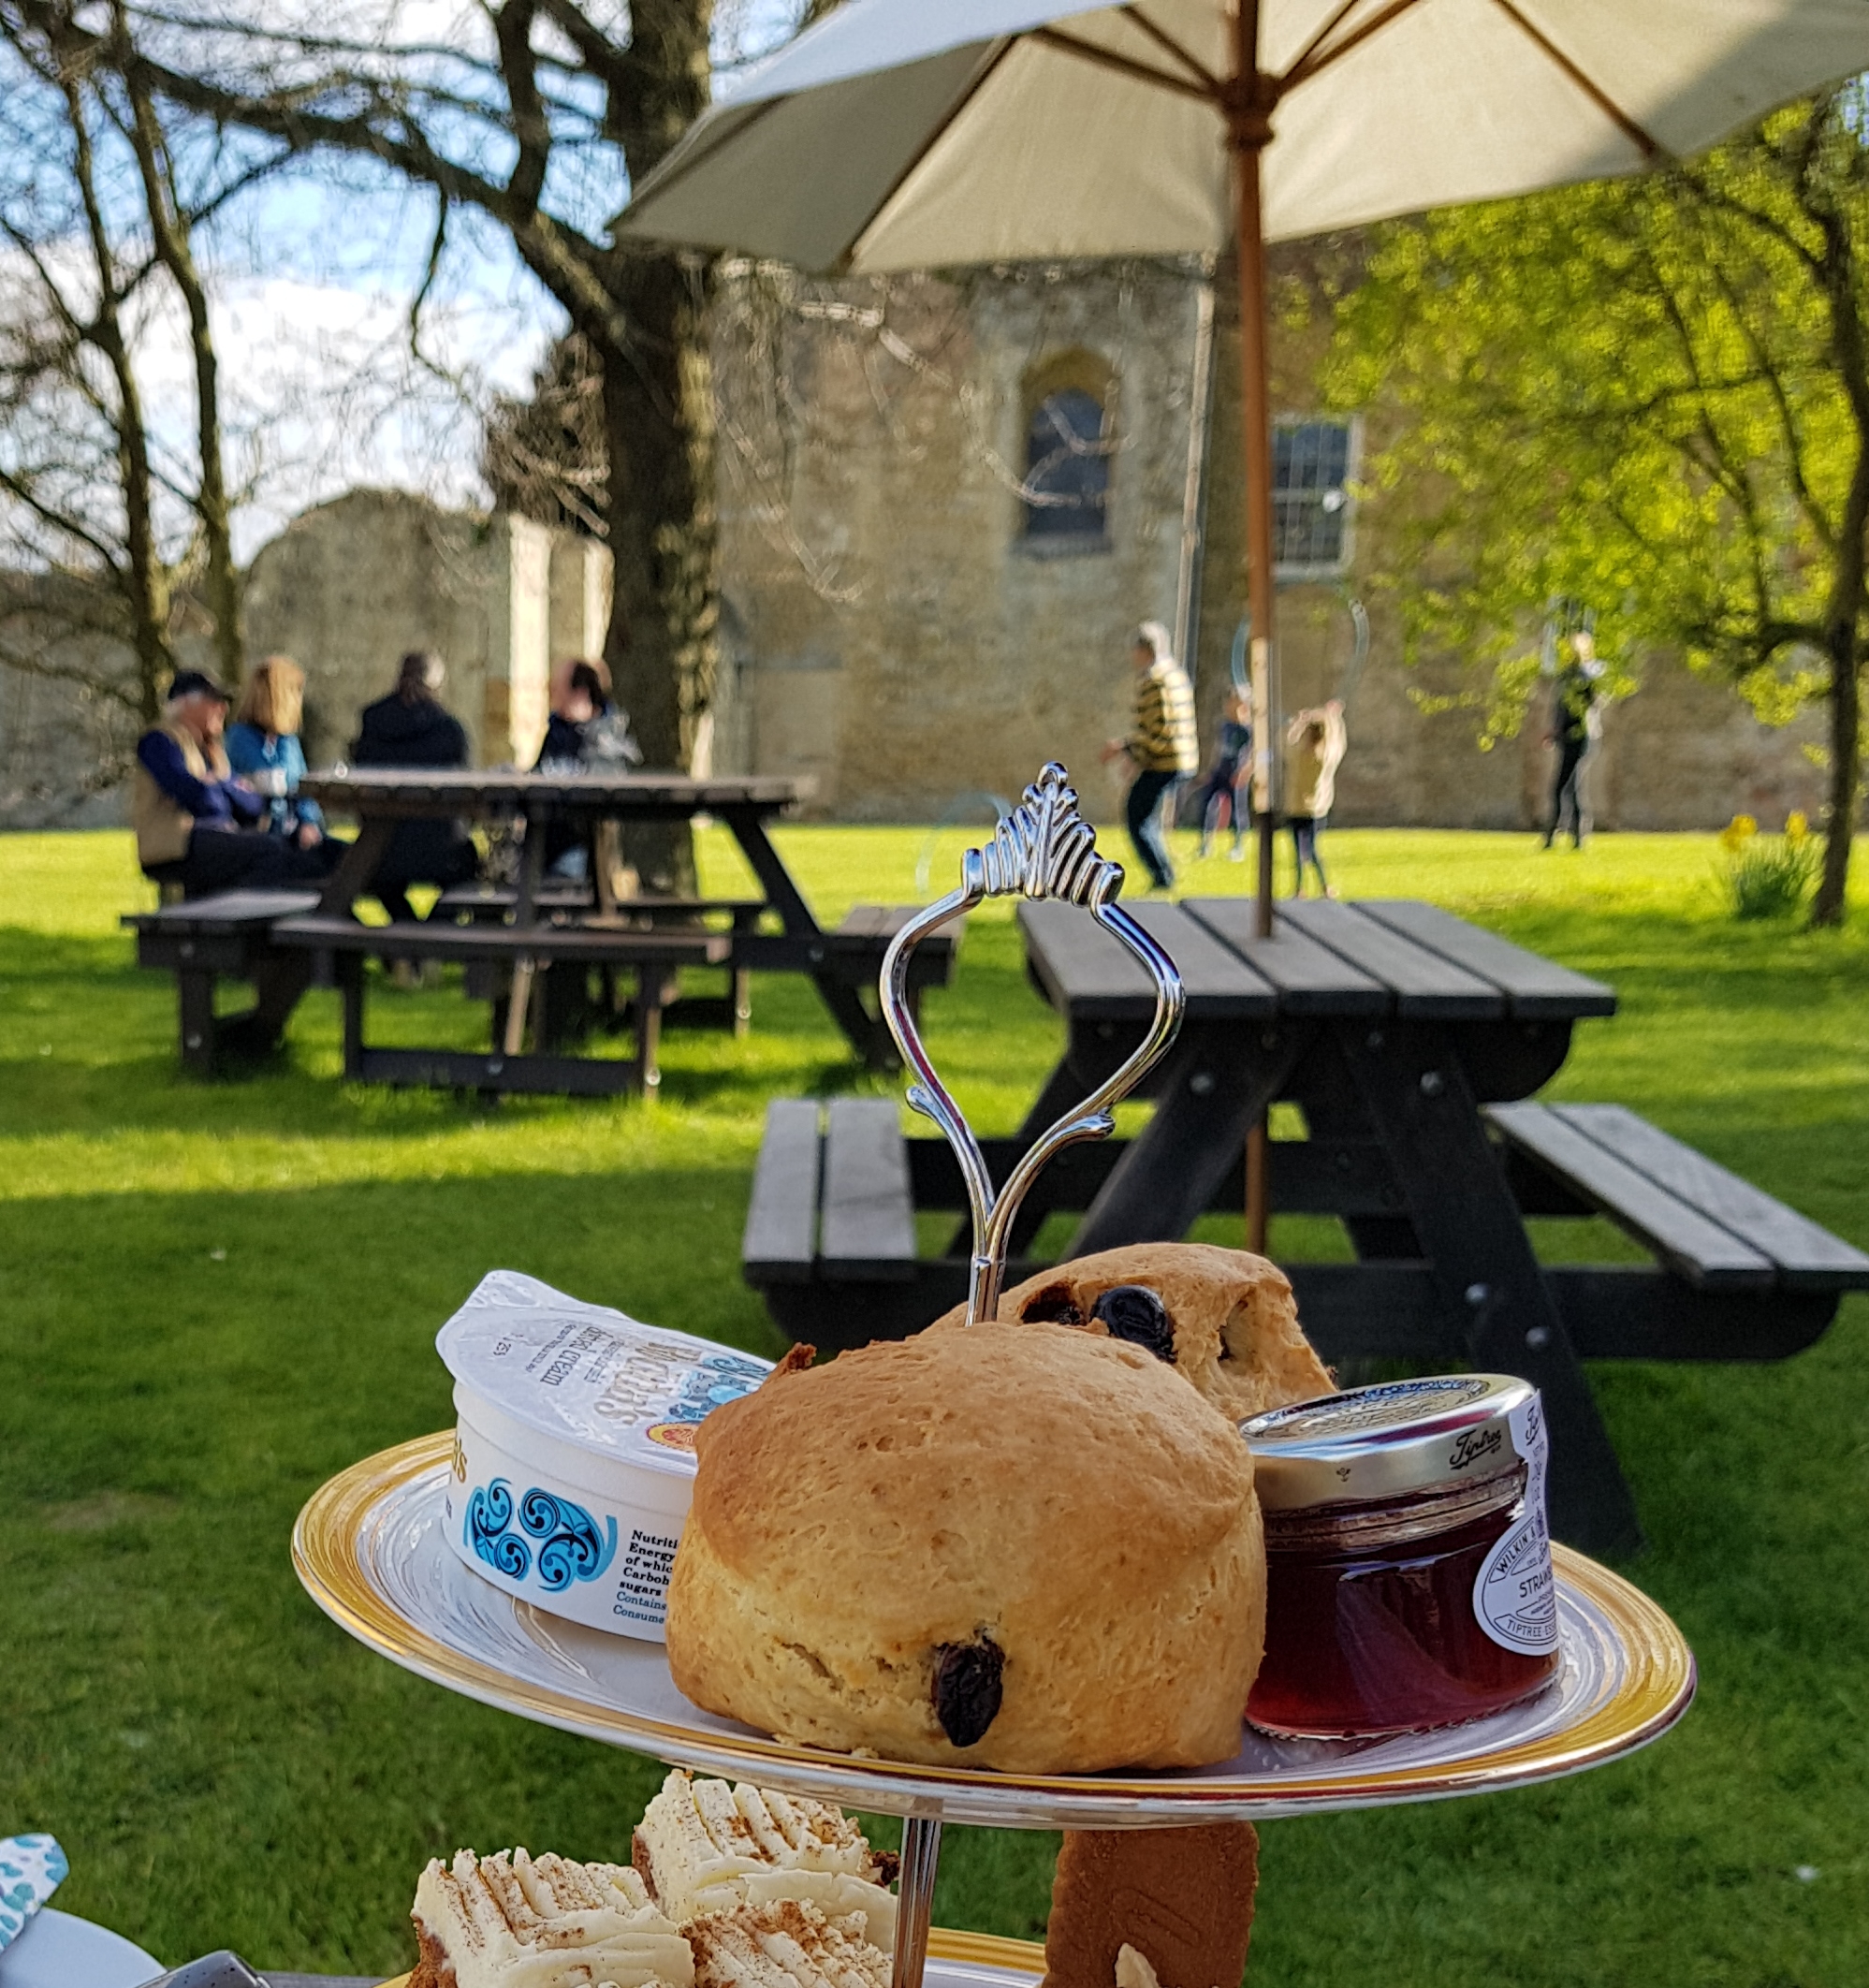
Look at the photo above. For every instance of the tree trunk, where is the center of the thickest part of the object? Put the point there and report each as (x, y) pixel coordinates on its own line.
(1845, 779)
(170, 231)
(662, 643)
(145, 583)
(658, 434)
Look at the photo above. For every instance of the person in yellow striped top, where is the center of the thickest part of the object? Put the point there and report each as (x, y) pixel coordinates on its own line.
(1162, 746)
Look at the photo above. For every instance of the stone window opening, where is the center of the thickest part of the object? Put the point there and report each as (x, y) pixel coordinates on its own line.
(1070, 439)
(1312, 465)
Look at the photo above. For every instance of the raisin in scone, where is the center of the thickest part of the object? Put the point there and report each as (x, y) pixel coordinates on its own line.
(1223, 1318)
(1018, 1546)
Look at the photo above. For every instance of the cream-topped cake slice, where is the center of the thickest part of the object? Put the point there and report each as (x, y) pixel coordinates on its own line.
(785, 1944)
(706, 1847)
(513, 1921)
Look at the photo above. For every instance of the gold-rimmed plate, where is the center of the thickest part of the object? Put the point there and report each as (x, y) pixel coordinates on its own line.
(956, 1960)
(369, 1550)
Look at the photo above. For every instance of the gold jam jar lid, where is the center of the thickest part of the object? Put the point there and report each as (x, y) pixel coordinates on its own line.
(1386, 1442)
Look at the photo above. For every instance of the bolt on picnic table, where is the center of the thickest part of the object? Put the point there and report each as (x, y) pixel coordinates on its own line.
(1411, 1040)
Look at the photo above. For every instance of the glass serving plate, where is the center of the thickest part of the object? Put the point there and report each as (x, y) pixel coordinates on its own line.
(369, 1550)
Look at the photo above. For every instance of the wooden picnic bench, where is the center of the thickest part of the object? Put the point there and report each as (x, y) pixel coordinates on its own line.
(842, 964)
(654, 959)
(1410, 1041)
(228, 936)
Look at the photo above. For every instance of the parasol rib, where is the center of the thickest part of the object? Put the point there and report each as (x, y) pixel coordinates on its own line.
(1167, 43)
(1650, 147)
(1123, 65)
(975, 83)
(1324, 33)
(1317, 58)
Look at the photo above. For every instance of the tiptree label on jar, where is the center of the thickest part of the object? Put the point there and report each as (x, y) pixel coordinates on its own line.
(1515, 1595)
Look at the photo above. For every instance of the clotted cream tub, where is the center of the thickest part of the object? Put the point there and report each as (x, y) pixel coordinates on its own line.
(574, 1452)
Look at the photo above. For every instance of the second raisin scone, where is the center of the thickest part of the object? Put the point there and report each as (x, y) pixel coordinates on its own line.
(1016, 1546)
(1223, 1318)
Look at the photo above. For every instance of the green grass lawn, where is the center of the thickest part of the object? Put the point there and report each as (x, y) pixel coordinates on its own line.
(214, 1295)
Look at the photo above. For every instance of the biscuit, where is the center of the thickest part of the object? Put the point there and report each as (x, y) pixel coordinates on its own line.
(1181, 1898)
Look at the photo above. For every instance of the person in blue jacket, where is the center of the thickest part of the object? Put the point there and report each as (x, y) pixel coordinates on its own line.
(195, 823)
(262, 746)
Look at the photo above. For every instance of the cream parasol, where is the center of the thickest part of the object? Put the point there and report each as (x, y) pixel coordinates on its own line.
(918, 134)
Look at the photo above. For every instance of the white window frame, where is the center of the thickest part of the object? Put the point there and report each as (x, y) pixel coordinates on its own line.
(1300, 572)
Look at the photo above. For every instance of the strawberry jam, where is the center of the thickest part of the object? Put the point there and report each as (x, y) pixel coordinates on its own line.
(1408, 1580)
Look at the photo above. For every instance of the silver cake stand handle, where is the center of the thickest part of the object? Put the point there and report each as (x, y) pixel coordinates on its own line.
(1043, 849)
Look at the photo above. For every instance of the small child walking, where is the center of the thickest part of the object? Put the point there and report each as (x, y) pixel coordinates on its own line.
(1315, 743)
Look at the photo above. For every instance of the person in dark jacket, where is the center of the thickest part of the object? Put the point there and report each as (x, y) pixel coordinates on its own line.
(409, 728)
(585, 734)
(198, 825)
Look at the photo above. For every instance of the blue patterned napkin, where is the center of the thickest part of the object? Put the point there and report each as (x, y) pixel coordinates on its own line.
(32, 1868)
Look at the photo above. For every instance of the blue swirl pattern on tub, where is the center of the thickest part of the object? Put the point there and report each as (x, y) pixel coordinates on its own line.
(570, 1549)
(32, 1868)
(719, 1378)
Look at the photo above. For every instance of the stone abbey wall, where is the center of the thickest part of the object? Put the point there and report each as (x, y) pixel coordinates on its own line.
(891, 629)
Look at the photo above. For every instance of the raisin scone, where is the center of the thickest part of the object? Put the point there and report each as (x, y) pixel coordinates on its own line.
(704, 1847)
(513, 1921)
(1018, 1546)
(1224, 1318)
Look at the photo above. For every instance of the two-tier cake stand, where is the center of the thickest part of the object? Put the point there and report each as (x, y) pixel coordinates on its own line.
(371, 1551)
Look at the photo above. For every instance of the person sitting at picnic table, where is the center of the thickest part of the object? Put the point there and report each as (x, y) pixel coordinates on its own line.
(1162, 747)
(411, 729)
(1315, 742)
(586, 733)
(262, 747)
(195, 823)
(1220, 789)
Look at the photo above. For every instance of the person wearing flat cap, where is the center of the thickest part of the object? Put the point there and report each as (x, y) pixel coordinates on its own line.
(198, 825)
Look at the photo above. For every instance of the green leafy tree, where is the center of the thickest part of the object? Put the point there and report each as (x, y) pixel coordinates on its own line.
(1653, 395)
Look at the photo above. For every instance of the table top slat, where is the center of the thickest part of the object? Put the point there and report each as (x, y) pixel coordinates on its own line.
(390, 790)
(1425, 986)
(1535, 988)
(1220, 984)
(1086, 974)
(1307, 978)
(1805, 1253)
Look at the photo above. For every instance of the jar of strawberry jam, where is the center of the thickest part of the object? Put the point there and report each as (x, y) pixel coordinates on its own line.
(1408, 1578)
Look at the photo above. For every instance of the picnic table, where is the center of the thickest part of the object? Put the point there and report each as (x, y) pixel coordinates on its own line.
(517, 935)
(1410, 1042)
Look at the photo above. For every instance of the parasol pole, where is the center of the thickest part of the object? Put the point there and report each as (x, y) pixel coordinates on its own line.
(1248, 98)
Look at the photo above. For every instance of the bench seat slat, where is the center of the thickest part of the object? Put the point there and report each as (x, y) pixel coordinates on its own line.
(1536, 990)
(869, 1217)
(780, 1239)
(224, 911)
(426, 939)
(1691, 1243)
(1807, 1256)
